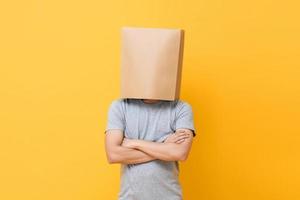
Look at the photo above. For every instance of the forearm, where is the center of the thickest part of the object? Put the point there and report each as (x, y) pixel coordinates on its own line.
(162, 151)
(126, 155)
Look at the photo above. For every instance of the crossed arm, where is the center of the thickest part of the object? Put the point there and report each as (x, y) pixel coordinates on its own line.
(132, 151)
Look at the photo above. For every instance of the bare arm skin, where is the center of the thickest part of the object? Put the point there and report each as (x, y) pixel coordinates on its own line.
(116, 153)
(168, 151)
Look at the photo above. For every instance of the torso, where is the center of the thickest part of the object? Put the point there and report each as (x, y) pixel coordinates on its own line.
(155, 179)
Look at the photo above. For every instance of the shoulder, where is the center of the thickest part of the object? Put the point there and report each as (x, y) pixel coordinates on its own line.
(182, 105)
(184, 116)
(118, 101)
(118, 104)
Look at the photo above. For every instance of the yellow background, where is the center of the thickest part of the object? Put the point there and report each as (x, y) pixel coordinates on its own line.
(60, 70)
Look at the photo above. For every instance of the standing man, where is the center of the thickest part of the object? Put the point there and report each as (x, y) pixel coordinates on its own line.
(149, 128)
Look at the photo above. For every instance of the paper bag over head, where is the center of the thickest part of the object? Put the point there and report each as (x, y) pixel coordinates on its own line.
(151, 63)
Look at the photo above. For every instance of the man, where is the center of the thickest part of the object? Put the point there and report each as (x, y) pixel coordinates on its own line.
(149, 128)
(150, 149)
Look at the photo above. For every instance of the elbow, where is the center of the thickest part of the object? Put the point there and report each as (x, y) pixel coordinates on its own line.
(178, 156)
(113, 155)
(111, 158)
(110, 161)
(182, 156)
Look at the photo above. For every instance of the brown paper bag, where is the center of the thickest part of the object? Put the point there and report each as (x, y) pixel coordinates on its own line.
(151, 63)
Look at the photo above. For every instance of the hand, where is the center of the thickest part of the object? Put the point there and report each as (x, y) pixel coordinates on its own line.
(129, 143)
(177, 137)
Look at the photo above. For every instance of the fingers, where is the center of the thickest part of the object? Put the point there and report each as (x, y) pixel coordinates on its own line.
(180, 141)
(182, 137)
(175, 135)
(178, 137)
(180, 134)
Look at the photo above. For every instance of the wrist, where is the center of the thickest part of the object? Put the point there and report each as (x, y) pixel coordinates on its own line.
(136, 143)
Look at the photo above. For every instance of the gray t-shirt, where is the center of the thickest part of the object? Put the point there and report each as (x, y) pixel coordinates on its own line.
(157, 179)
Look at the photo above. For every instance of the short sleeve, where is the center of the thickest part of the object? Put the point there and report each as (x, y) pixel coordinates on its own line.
(115, 116)
(184, 117)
